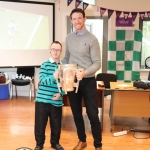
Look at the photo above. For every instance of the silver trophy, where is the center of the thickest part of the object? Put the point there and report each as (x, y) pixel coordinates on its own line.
(67, 77)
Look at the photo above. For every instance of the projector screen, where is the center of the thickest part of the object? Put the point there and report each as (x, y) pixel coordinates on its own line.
(26, 32)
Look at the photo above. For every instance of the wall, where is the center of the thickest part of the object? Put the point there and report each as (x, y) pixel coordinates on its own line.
(127, 5)
(62, 11)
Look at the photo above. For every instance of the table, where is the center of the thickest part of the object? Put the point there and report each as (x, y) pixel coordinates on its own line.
(128, 101)
(100, 91)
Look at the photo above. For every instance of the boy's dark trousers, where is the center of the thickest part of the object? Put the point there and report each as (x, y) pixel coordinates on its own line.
(43, 111)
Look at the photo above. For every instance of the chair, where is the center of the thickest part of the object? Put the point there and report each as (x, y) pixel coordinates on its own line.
(106, 78)
(27, 72)
(149, 76)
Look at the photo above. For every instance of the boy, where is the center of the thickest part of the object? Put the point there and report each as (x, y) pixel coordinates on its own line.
(49, 101)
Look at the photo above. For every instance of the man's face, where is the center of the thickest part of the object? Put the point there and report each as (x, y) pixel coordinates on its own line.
(78, 21)
(55, 51)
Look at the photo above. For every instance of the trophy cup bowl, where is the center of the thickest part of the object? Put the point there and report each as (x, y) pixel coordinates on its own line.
(67, 77)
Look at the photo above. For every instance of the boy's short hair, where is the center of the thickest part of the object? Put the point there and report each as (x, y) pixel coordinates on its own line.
(77, 10)
(57, 42)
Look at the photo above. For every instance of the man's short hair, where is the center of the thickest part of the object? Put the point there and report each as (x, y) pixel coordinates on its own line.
(77, 10)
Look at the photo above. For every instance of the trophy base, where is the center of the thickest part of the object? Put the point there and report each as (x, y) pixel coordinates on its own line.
(68, 90)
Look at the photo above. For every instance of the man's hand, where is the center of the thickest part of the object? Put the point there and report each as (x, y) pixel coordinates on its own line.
(56, 96)
(80, 73)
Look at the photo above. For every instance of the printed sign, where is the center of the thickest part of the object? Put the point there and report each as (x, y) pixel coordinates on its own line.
(121, 22)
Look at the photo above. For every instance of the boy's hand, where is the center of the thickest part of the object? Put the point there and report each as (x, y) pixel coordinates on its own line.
(56, 74)
(56, 96)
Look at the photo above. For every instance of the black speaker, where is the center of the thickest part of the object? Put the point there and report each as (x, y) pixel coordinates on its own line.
(141, 84)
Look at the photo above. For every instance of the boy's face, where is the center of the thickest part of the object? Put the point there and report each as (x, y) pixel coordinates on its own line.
(78, 21)
(55, 51)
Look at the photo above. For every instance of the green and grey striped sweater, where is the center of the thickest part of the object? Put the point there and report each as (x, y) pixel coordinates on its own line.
(48, 86)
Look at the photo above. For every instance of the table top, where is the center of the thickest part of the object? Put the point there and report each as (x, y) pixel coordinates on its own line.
(125, 86)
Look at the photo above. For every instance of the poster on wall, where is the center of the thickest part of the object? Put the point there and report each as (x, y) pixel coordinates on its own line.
(122, 22)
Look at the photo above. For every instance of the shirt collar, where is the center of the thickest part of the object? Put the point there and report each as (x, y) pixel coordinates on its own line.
(80, 33)
(52, 61)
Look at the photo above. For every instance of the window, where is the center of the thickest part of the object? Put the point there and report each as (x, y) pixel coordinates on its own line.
(145, 28)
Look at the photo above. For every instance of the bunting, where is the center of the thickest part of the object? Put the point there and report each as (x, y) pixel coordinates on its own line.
(126, 14)
(142, 14)
(118, 13)
(148, 14)
(85, 5)
(102, 11)
(110, 12)
(134, 14)
(68, 2)
(77, 3)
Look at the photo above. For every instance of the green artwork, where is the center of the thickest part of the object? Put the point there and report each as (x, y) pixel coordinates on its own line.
(124, 54)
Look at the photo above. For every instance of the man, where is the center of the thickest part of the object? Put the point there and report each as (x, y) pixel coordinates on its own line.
(49, 101)
(82, 48)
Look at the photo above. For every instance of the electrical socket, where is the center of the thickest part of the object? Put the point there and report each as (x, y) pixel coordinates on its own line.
(120, 133)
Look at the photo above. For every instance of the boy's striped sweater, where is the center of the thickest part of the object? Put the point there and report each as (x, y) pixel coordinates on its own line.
(48, 86)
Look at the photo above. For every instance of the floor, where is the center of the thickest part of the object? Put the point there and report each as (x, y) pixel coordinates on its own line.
(17, 128)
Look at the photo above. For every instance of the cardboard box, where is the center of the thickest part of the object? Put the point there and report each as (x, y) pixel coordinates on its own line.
(4, 91)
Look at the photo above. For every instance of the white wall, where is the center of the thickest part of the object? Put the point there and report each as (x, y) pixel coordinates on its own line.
(61, 22)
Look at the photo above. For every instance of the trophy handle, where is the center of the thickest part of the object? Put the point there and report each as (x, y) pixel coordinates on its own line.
(58, 85)
(76, 85)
